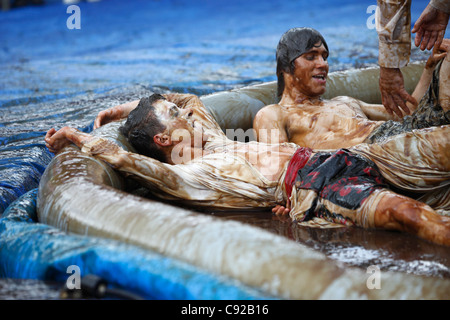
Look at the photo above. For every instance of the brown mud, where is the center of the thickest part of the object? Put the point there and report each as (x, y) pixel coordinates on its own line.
(358, 247)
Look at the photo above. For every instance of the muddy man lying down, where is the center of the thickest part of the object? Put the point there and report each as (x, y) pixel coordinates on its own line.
(183, 155)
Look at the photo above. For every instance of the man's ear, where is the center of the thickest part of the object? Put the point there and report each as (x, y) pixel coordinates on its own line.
(162, 139)
(287, 77)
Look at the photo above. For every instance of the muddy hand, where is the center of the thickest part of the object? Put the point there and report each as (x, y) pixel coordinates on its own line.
(56, 140)
(393, 93)
(282, 211)
(430, 28)
(438, 54)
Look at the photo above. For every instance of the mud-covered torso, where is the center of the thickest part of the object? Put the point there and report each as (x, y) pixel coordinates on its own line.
(333, 124)
(268, 160)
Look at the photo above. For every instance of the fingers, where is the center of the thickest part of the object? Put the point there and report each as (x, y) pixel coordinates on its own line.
(388, 103)
(98, 120)
(395, 103)
(400, 103)
(434, 41)
(280, 211)
(48, 139)
(406, 97)
(419, 36)
(427, 39)
(430, 39)
(437, 55)
(440, 56)
(104, 117)
(445, 45)
(49, 133)
(393, 93)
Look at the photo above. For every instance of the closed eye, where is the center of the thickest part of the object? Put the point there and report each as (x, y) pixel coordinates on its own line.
(174, 111)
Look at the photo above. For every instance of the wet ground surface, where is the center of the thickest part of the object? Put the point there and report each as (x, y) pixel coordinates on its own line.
(358, 247)
(28, 289)
(352, 246)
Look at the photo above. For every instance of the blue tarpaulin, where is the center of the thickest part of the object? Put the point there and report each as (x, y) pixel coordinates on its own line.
(33, 250)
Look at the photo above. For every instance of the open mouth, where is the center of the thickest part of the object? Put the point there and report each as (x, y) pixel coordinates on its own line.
(320, 77)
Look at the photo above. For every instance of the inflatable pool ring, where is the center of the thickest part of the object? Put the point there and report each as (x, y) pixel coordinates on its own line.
(82, 195)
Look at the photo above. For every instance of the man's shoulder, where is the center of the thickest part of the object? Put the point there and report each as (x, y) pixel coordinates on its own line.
(270, 108)
(270, 111)
(344, 99)
(267, 116)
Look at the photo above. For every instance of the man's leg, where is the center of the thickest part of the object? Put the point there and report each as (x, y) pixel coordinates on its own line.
(391, 211)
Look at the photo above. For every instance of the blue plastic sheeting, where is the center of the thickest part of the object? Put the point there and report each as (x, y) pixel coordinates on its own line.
(22, 172)
(36, 251)
(22, 166)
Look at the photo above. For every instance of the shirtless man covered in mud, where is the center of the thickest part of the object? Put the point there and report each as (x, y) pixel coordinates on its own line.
(303, 117)
(185, 156)
(306, 119)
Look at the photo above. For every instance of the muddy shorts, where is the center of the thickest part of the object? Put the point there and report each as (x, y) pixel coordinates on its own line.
(429, 113)
(331, 185)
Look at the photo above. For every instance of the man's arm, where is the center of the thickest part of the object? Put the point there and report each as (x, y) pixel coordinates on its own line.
(122, 111)
(431, 25)
(378, 112)
(154, 172)
(437, 55)
(269, 126)
(393, 25)
(115, 113)
(57, 140)
(183, 101)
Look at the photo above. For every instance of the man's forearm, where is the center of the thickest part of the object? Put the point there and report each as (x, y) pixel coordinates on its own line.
(184, 100)
(442, 5)
(77, 137)
(393, 28)
(126, 108)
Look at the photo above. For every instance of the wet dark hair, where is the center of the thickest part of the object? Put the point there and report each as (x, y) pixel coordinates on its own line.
(142, 125)
(293, 44)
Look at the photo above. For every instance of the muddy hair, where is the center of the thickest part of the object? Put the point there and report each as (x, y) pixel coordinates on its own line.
(142, 125)
(292, 45)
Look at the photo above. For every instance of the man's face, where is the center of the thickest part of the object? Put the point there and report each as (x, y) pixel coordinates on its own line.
(179, 122)
(311, 70)
(171, 116)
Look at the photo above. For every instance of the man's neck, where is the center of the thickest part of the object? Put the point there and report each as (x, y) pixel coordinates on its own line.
(296, 98)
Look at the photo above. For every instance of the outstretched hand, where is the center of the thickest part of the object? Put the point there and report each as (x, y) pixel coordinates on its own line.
(393, 93)
(430, 28)
(438, 54)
